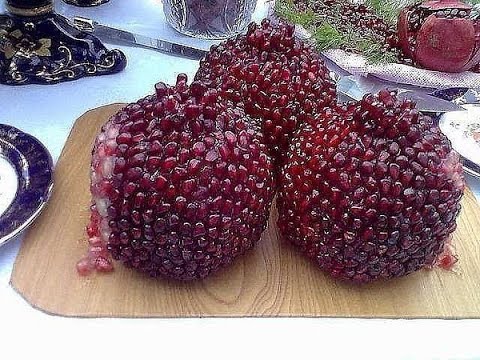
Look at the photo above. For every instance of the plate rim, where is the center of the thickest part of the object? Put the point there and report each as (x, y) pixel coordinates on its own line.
(471, 167)
(10, 212)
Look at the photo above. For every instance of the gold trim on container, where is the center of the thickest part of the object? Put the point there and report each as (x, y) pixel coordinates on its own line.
(42, 10)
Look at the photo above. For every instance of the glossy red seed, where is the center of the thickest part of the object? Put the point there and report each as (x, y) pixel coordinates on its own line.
(212, 155)
(124, 138)
(103, 265)
(198, 148)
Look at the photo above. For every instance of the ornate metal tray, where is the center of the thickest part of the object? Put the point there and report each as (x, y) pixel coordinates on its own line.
(33, 175)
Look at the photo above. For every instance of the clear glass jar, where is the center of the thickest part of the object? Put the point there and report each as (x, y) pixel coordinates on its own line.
(209, 19)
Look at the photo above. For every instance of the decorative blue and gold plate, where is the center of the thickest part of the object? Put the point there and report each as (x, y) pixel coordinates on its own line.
(26, 180)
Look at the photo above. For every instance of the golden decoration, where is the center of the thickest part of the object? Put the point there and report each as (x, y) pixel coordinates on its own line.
(23, 45)
(44, 49)
(17, 34)
(42, 10)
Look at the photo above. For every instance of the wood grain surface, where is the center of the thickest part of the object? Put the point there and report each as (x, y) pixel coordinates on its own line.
(271, 280)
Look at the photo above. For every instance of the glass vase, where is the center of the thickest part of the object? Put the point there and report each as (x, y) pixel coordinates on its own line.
(209, 19)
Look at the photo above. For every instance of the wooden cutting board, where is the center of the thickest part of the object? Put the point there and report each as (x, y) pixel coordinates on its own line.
(272, 280)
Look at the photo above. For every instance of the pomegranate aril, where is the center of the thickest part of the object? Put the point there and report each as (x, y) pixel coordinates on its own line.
(84, 267)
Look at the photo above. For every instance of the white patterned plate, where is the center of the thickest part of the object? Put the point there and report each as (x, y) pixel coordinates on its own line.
(463, 130)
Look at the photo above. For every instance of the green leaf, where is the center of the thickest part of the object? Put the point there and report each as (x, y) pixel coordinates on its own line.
(286, 9)
(374, 52)
(328, 37)
(334, 33)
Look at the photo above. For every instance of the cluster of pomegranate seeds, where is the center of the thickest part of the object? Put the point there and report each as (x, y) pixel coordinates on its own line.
(219, 15)
(274, 76)
(371, 191)
(346, 16)
(205, 11)
(97, 257)
(435, 34)
(182, 183)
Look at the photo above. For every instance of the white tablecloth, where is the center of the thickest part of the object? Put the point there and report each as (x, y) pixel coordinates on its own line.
(48, 113)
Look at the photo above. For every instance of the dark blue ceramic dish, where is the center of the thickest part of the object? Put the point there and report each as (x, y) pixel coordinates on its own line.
(34, 169)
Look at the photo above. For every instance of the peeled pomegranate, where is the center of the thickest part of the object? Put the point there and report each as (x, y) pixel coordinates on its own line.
(371, 191)
(278, 78)
(181, 184)
(441, 35)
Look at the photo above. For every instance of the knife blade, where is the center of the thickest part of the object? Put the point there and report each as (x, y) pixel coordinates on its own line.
(470, 167)
(123, 37)
(429, 103)
(354, 88)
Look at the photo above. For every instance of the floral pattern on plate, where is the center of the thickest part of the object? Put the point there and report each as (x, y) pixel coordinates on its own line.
(463, 130)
